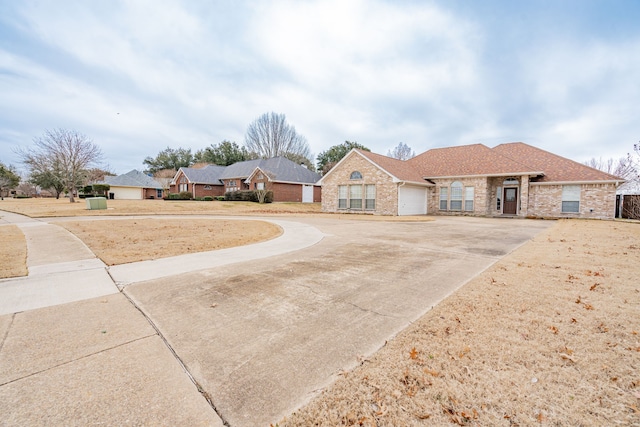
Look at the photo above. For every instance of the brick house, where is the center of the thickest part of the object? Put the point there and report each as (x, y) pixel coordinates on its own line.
(513, 179)
(200, 182)
(289, 181)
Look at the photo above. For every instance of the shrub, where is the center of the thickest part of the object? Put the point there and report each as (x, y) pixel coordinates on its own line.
(247, 196)
(185, 195)
(207, 198)
(220, 198)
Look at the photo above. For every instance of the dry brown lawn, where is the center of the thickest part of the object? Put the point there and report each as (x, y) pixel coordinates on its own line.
(131, 240)
(547, 336)
(47, 207)
(13, 252)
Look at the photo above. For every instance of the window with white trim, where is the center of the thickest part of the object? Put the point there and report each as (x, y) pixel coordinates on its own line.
(455, 203)
(342, 196)
(498, 198)
(444, 198)
(158, 193)
(468, 198)
(355, 175)
(183, 185)
(370, 197)
(259, 185)
(570, 198)
(355, 197)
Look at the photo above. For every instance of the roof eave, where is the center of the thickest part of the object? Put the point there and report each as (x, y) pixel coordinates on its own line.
(616, 182)
(487, 175)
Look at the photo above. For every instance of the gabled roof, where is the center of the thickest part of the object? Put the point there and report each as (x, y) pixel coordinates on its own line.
(209, 174)
(469, 160)
(556, 168)
(132, 178)
(400, 169)
(279, 169)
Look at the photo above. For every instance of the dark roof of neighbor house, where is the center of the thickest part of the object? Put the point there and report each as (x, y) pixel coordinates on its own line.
(132, 178)
(400, 169)
(556, 168)
(209, 174)
(279, 169)
(468, 160)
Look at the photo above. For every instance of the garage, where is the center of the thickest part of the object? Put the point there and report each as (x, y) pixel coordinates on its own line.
(126, 193)
(412, 200)
(307, 194)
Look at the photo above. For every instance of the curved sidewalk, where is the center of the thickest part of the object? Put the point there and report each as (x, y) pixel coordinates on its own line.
(63, 269)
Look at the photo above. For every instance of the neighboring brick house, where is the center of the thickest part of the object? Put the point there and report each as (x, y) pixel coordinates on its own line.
(513, 179)
(200, 182)
(289, 181)
(133, 185)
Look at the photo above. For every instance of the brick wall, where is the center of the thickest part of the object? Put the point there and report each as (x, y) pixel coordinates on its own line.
(199, 191)
(596, 201)
(386, 190)
(480, 193)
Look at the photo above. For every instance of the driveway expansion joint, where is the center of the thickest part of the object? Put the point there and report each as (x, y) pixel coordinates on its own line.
(78, 358)
(199, 387)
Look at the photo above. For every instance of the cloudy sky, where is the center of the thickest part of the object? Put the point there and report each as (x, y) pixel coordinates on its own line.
(137, 76)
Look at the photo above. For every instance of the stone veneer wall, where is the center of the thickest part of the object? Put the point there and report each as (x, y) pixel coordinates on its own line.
(386, 189)
(596, 201)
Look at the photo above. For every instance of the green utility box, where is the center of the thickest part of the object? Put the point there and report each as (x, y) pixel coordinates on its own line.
(96, 203)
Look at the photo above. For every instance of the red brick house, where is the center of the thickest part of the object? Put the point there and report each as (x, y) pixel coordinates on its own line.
(513, 179)
(289, 181)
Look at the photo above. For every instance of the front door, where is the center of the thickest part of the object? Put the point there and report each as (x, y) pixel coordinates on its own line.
(510, 201)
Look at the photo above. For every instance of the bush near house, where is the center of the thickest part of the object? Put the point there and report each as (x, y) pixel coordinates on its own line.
(247, 196)
(184, 195)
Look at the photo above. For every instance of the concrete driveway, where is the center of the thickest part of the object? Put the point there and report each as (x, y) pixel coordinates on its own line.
(261, 337)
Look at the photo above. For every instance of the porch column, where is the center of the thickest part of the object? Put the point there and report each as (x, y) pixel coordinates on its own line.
(524, 195)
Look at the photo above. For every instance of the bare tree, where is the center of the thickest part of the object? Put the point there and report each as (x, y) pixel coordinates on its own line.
(270, 136)
(68, 152)
(401, 152)
(624, 167)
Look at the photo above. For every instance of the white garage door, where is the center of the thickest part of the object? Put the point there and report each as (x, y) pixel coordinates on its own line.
(307, 194)
(126, 193)
(412, 200)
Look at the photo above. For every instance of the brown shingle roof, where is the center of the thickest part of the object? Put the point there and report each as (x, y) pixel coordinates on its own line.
(556, 168)
(400, 169)
(466, 160)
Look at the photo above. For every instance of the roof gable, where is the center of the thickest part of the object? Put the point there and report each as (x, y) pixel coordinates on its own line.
(210, 174)
(133, 178)
(556, 168)
(278, 168)
(467, 160)
(401, 170)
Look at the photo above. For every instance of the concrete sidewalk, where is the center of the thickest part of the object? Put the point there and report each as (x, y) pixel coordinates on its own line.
(61, 269)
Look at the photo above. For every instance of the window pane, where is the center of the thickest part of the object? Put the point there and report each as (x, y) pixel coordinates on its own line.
(571, 207)
(499, 197)
(456, 196)
(370, 197)
(468, 198)
(355, 197)
(342, 197)
(355, 175)
(444, 192)
(570, 198)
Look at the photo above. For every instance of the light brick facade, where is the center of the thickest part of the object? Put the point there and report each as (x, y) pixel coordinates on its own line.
(534, 198)
(386, 189)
